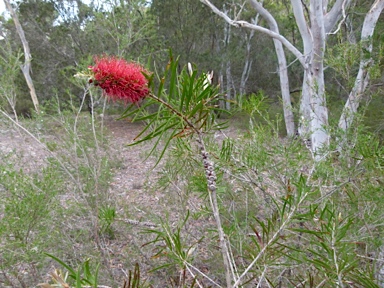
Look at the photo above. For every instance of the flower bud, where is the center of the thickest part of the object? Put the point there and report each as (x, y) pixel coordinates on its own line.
(212, 177)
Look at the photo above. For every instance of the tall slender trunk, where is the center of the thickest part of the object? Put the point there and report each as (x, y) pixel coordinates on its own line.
(247, 64)
(283, 71)
(313, 109)
(284, 87)
(319, 111)
(362, 78)
(322, 22)
(26, 68)
(228, 92)
(248, 61)
(228, 74)
(305, 114)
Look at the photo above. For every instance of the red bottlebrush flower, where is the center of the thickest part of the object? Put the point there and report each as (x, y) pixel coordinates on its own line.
(119, 79)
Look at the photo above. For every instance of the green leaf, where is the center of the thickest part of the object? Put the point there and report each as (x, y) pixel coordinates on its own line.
(78, 278)
(62, 263)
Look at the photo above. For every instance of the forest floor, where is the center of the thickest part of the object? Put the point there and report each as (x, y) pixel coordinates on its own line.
(139, 201)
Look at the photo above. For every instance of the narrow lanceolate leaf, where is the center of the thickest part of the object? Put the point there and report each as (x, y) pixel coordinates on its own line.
(188, 92)
(62, 263)
(173, 81)
(307, 231)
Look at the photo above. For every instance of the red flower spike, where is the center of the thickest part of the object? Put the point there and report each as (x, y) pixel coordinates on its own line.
(119, 79)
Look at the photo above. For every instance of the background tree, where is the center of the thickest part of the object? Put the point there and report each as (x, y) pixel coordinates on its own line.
(282, 69)
(10, 71)
(283, 219)
(315, 21)
(64, 35)
(26, 68)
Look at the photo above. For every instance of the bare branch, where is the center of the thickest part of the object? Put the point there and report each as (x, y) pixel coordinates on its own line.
(342, 20)
(338, 10)
(305, 33)
(266, 31)
(138, 223)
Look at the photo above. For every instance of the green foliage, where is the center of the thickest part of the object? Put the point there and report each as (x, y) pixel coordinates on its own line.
(177, 252)
(10, 71)
(288, 221)
(186, 28)
(27, 201)
(371, 150)
(61, 36)
(344, 59)
(304, 223)
(27, 206)
(331, 254)
(107, 216)
(81, 277)
(54, 206)
(85, 277)
(184, 107)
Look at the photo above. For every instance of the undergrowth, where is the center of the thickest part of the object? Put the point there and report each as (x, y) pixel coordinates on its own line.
(253, 210)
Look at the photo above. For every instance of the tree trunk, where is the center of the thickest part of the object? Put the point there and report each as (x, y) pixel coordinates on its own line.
(313, 110)
(305, 113)
(26, 68)
(318, 107)
(228, 74)
(228, 92)
(362, 78)
(247, 63)
(282, 64)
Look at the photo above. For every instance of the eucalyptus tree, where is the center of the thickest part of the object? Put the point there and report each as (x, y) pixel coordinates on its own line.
(62, 35)
(49, 48)
(189, 29)
(9, 71)
(282, 66)
(366, 61)
(317, 21)
(192, 32)
(26, 68)
(123, 28)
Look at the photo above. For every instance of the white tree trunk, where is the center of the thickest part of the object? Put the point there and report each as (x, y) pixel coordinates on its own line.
(228, 92)
(228, 73)
(362, 78)
(283, 71)
(245, 74)
(319, 111)
(305, 113)
(296, 52)
(247, 63)
(314, 31)
(314, 113)
(27, 55)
